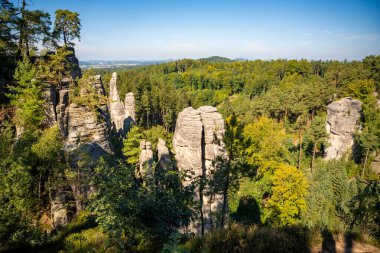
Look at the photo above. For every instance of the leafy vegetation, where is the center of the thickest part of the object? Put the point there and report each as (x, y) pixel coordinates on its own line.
(277, 189)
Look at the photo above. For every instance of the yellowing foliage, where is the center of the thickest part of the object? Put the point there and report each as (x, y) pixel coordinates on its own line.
(266, 138)
(287, 200)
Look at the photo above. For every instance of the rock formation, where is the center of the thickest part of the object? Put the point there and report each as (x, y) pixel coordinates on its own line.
(163, 155)
(197, 142)
(117, 111)
(59, 208)
(342, 118)
(87, 140)
(57, 97)
(145, 159)
(122, 115)
(129, 103)
(88, 127)
(57, 101)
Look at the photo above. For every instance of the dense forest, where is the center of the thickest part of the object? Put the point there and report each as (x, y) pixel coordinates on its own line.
(278, 190)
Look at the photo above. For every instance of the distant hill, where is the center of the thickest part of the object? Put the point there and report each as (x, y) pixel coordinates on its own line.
(217, 59)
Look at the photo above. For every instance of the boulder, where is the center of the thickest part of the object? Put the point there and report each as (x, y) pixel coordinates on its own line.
(342, 122)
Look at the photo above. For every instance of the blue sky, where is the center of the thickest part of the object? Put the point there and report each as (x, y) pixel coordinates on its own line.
(266, 29)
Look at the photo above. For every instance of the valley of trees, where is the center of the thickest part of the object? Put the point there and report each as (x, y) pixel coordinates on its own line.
(279, 193)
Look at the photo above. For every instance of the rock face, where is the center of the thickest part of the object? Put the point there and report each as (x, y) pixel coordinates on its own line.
(88, 127)
(57, 101)
(117, 111)
(342, 118)
(86, 141)
(129, 103)
(197, 142)
(122, 115)
(163, 155)
(146, 159)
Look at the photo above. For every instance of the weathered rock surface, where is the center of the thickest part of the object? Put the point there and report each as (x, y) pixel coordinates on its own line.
(342, 122)
(129, 103)
(197, 143)
(88, 127)
(117, 111)
(145, 159)
(187, 142)
(122, 115)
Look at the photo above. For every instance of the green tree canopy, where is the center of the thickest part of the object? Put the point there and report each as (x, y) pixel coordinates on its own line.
(67, 26)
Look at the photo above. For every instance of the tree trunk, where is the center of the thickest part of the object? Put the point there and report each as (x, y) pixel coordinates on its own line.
(22, 29)
(300, 155)
(39, 187)
(365, 162)
(313, 158)
(64, 38)
(285, 117)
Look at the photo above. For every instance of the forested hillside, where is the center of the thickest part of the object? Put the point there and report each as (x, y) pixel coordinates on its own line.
(208, 155)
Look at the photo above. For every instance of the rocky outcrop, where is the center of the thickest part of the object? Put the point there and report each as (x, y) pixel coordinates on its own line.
(197, 143)
(56, 112)
(129, 103)
(60, 210)
(87, 140)
(187, 143)
(163, 155)
(57, 96)
(145, 159)
(87, 127)
(342, 122)
(117, 111)
(122, 115)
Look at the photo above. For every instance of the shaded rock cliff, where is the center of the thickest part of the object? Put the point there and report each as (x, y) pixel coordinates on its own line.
(197, 143)
(87, 140)
(342, 122)
(163, 155)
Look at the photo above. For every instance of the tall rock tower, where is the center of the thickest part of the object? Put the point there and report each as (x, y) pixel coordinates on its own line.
(197, 143)
(122, 115)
